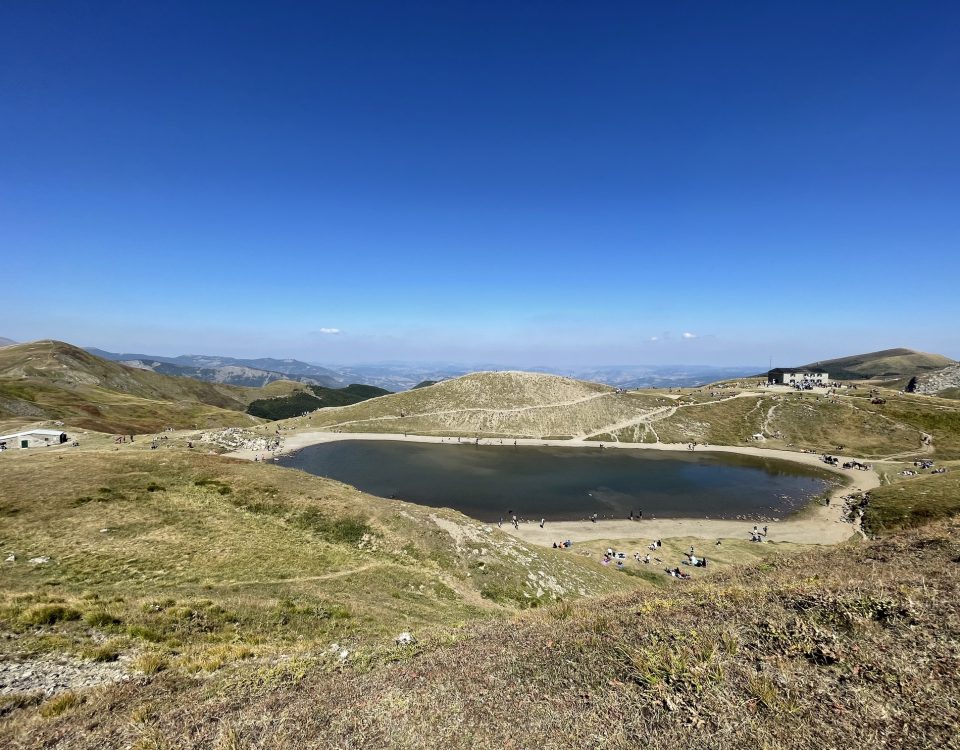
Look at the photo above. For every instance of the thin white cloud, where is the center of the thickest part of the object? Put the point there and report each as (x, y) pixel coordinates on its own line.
(329, 331)
(654, 338)
(688, 335)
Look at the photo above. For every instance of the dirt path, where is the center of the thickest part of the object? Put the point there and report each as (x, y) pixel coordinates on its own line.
(661, 412)
(305, 579)
(511, 410)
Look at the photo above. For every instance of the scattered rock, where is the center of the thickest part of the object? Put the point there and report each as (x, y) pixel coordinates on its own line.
(11, 558)
(39, 560)
(404, 639)
(56, 674)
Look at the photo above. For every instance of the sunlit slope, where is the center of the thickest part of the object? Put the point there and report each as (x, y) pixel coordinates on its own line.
(248, 554)
(885, 365)
(529, 405)
(851, 647)
(506, 404)
(54, 380)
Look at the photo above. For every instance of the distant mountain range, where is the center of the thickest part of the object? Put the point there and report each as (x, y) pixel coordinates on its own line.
(404, 377)
(254, 373)
(393, 376)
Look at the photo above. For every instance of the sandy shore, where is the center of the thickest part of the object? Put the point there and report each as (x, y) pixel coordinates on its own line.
(816, 525)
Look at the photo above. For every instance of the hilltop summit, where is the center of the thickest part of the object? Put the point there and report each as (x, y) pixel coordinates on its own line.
(887, 364)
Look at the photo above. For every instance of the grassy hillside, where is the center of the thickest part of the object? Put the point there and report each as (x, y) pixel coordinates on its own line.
(912, 502)
(311, 398)
(853, 647)
(885, 365)
(253, 606)
(52, 380)
(187, 554)
(515, 404)
(546, 406)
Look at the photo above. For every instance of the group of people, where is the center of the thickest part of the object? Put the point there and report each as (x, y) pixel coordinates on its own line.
(757, 536)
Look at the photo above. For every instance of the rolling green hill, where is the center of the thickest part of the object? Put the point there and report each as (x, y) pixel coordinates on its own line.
(533, 405)
(889, 364)
(54, 380)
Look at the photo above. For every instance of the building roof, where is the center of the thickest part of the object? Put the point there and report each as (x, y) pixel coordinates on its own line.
(43, 433)
(801, 370)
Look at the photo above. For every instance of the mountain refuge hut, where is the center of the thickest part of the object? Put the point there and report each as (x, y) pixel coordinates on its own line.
(797, 376)
(32, 439)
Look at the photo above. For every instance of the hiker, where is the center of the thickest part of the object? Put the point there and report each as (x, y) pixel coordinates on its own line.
(542, 521)
(659, 544)
(765, 531)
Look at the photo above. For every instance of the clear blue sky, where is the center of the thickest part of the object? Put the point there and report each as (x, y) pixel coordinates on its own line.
(533, 183)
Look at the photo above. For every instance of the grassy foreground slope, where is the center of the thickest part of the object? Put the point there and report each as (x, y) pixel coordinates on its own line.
(912, 502)
(185, 556)
(855, 647)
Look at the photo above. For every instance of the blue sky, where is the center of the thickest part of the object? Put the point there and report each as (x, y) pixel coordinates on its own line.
(531, 183)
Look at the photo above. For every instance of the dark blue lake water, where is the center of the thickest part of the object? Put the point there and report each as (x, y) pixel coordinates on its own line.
(490, 482)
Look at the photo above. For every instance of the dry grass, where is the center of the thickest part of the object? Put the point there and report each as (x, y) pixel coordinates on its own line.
(912, 502)
(233, 557)
(854, 647)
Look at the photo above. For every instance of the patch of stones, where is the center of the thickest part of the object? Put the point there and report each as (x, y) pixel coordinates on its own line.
(948, 377)
(51, 675)
(237, 438)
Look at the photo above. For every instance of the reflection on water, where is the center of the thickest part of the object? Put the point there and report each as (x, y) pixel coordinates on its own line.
(489, 482)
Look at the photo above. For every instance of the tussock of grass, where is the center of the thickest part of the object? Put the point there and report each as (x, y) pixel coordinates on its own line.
(150, 663)
(60, 704)
(49, 614)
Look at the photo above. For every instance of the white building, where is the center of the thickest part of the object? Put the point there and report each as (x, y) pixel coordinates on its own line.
(32, 439)
(797, 376)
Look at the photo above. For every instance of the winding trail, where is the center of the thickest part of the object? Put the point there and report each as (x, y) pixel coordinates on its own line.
(477, 410)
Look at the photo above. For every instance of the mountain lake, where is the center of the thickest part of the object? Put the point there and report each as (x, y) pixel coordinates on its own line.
(492, 482)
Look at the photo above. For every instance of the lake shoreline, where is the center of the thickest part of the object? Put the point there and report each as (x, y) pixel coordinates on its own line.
(813, 524)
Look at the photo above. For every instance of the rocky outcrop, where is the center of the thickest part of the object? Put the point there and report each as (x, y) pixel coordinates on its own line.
(948, 377)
